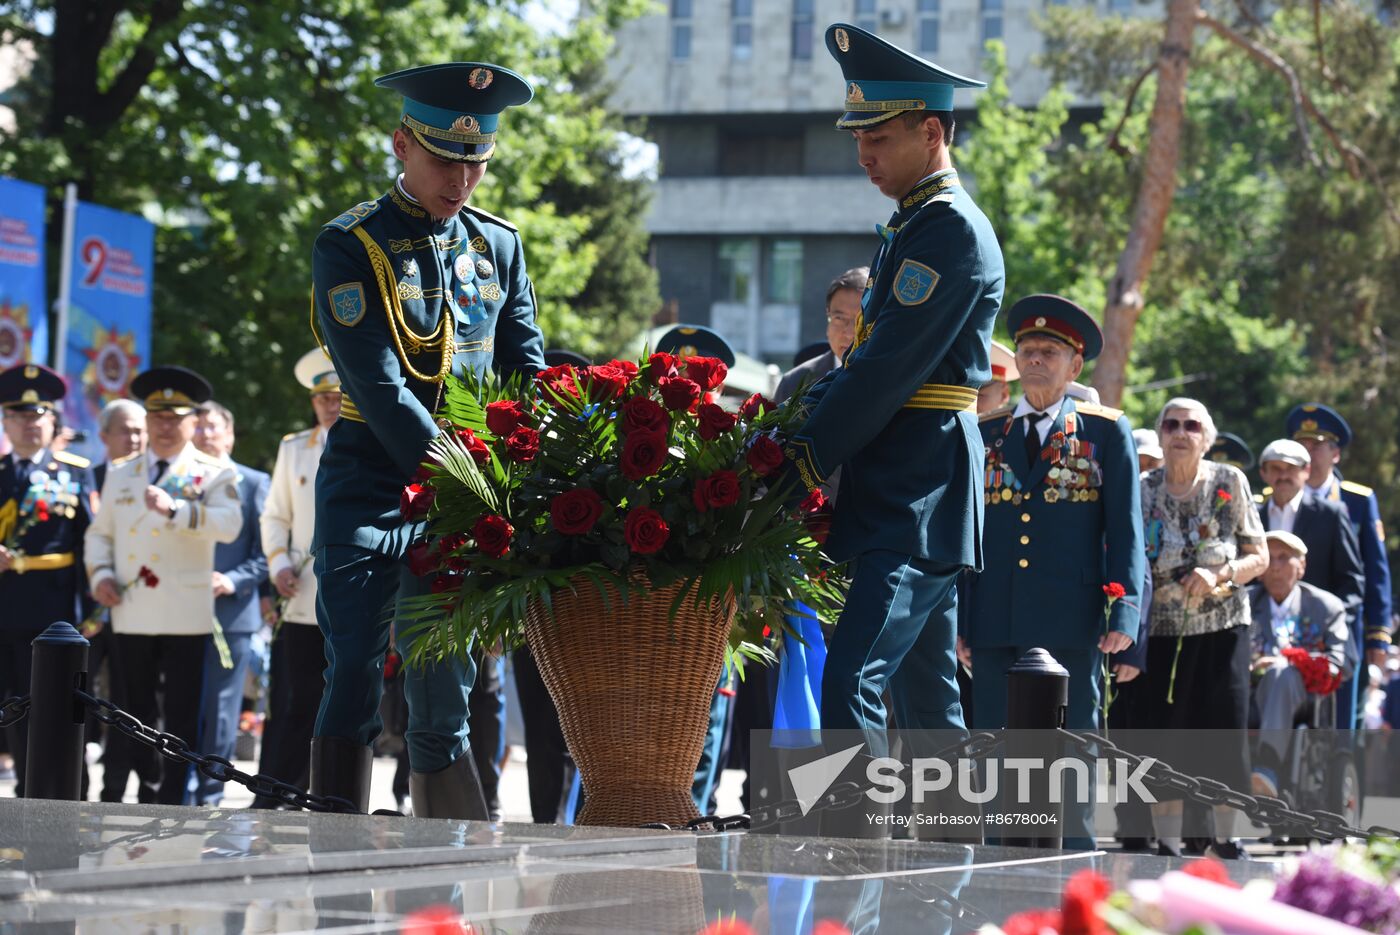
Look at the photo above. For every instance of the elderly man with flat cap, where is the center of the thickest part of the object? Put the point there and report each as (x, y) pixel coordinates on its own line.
(150, 558)
(409, 289)
(899, 417)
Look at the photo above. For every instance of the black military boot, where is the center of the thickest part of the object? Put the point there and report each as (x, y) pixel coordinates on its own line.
(451, 792)
(341, 768)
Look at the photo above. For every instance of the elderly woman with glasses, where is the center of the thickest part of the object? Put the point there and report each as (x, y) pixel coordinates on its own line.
(1204, 541)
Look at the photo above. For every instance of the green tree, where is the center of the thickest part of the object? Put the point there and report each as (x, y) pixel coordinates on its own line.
(244, 127)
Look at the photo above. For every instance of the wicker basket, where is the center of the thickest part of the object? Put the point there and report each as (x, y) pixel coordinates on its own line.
(633, 692)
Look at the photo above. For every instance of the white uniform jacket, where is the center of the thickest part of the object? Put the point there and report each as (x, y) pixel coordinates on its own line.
(289, 518)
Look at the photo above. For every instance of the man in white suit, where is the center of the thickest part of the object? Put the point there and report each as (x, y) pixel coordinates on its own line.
(288, 521)
(150, 557)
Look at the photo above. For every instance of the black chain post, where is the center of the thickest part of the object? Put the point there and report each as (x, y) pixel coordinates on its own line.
(55, 766)
(1037, 694)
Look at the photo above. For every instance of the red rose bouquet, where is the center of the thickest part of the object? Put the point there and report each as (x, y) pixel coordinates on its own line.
(625, 475)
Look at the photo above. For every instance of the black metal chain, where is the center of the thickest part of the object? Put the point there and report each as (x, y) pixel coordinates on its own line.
(13, 710)
(214, 767)
(1270, 812)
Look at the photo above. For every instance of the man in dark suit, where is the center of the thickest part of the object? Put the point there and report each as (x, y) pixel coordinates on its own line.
(1334, 555)
(240, 570)
(842, 309)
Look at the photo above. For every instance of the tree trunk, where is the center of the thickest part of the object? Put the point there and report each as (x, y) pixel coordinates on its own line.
(1153, 202)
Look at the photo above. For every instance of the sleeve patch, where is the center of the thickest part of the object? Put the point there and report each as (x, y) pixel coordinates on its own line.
(347, 303)
(914, 283)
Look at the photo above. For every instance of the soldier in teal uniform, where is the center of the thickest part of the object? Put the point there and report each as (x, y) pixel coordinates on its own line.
(408, 288)
(899, 417)
(45, 507)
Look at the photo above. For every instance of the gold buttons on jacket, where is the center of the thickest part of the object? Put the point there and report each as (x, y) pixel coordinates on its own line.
(1025, 540)
(1025, 517)
(1024, 563)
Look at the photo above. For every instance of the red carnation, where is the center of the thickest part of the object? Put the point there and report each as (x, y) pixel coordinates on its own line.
(755, 404)
(475, 447)
(709, 372)
(1223, 496)
(41, 511)
(492, 534)
(414, 501)
(829, 927)
(562, 380)
(764, 456)
(730, 926)
(1032, 922)
(1079, 904)
(1113, 590)
(523, 444)
(147, 577)
(646, 532)
(678, 393)
(714, 421)
(661, 365)
(435, 920)
(720, 489)
(643, 454)
(421, 560)
(641, 414)
(504, 416)
(575, 512)
(606, 382)
(1208, 868)
(815, 501)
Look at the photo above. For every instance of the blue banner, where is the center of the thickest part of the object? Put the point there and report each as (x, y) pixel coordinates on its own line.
(24, 328)
(109, 313)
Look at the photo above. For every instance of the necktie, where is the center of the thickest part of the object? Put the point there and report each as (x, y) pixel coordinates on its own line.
(161, 465)
(1033, 445)
(22, 468)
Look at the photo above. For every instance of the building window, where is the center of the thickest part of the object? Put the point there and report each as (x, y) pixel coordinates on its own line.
(741, 28)
(991, 19)
(680, 29)
(744, 152)
(928, 26)
(737, 269)
(865, 15)
(802, 30)
(784, 272)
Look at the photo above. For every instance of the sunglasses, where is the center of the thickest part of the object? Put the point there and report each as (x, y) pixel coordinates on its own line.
(1189, 426)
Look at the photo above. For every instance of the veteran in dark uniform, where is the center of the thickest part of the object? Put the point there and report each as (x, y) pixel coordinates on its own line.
(408, 288)
(45, 507)
(899, 417)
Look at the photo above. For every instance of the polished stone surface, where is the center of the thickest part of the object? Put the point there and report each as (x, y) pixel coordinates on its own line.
(71, 867)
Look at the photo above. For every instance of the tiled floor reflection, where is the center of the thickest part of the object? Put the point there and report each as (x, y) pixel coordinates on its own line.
(68, 867)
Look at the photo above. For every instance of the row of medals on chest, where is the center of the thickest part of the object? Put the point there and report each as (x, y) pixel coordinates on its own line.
(1071, 474)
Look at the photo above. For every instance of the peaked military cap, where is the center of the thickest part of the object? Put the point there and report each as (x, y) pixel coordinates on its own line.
(1314, 420)
(696, 341)
(883, 80)
(30, 388)
(1058, 318)
(1004, 363)
(453, 109)
(558, 357)
(1231, 449)
(171, 389)
(316, 372)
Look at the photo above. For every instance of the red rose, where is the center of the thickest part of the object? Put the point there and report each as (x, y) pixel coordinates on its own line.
(475, 447)
(492, 534)
(414, 501)
(605, 382)
(1032, 922)
(626, 366)
(643, 454)
(421, 560)
(764, 456)
(1223, 496)
(448, 547)
(714, 421)
(646, 532)
(504, 416)
(1079, 904)
(575, 512)
(754, 406)
(1113, 590)
(720, 489)
(41, 512)
(523, 444)
(1208, 868)
(662, 365)
(815, 501)
(641, 414)
(445, 584)
(709, 372)
(424, 474)
(678, 392)
(562, 380)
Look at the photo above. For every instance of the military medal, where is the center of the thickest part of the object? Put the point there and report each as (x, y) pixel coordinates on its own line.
(410, 267)
(462, 268)
(1051, 495)
(1005, 494)
(484, 268)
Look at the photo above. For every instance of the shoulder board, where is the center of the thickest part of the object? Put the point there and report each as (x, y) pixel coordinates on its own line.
(1260, 498)
(128, 459)
(1351, 486)
(946, 198)
(352, 218)
(203, 458)
(63, 457)
(487, 215)
(998, 413)
(1094, 409)
(294, 435)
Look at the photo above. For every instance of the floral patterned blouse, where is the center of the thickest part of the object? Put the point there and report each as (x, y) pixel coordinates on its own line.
(1205, 528)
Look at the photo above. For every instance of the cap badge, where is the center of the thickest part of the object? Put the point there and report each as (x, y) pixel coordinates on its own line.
(854, 95)
(687, 350)
(167, 393)
(843, 40)
(29, 396)
(1310, 408)
(1040, 322)
(466, 123)
(480, 78)
(1309, 425)
(31, 372)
